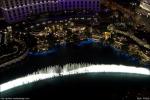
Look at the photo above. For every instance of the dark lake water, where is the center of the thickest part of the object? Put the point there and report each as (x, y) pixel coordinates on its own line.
(90, 54)
(77, 84)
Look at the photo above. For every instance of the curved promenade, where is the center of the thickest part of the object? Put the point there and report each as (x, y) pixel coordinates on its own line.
(14, 60)
(6, 55)
(134, 38)
(16, 56)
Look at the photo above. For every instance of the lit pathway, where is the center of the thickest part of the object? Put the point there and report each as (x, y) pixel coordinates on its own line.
(6, 55)
(137, 40)
(145, 6)
(16, 56)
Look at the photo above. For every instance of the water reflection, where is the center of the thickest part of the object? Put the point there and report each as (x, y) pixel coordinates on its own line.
(71, 69)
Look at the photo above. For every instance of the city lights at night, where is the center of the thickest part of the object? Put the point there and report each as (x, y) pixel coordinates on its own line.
(91, 48)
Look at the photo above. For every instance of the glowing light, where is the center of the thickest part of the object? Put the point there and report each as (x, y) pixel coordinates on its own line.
(51, 72)
(25, 80)
(145, 6)
(109, 68)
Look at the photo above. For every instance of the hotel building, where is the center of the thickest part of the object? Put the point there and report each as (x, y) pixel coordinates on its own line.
(18, 10)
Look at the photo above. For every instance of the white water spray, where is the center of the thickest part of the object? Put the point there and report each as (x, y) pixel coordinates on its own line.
(71, 69)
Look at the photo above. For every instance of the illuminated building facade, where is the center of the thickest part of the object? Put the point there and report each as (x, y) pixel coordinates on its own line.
(17, 10)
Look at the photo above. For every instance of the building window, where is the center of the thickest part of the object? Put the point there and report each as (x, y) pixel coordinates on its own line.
(44, 7)
(19, 12)
(61, 3)
(89, 2)
(25, 1)
(73, 4)
(7, 5)
(30, 7)
(22, 9)
(12, 4)
(65, 3)
(70, 4)
(85, 4)
(98, 4)
(27, 9)
(9, 13)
